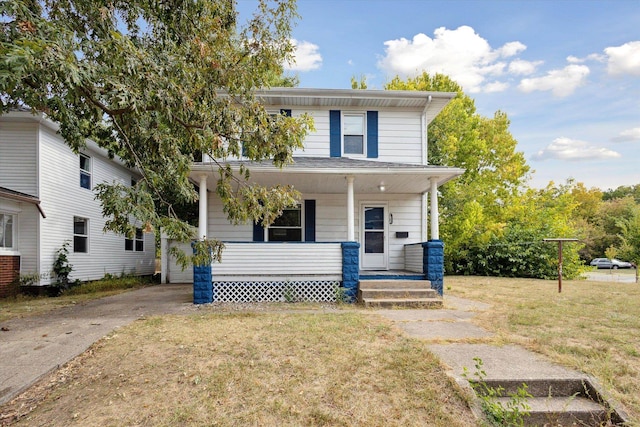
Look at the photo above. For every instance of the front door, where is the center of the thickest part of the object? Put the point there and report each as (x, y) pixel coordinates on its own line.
(374, 231)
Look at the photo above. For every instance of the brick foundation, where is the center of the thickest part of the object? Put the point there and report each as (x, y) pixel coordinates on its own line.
(9, 271)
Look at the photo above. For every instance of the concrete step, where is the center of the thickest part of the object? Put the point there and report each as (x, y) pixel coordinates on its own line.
(562, 411)
(403, 302)
(388, 293)
(545, 387)
(394, 283)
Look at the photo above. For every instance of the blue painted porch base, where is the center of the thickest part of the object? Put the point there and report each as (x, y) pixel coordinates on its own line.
(433, 264)
(350, 269)
(202, 284)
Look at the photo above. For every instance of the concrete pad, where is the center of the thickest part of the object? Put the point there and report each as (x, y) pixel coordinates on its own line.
(458, 303)
(425, 315)
(506, 362)
(443, 330)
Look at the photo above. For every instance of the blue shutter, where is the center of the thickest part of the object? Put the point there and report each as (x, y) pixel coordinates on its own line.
(372, 134)
(309, 220)
(258, 232)
(285, 112)
(335, 132)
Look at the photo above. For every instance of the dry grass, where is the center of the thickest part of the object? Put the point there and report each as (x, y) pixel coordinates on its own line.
(343, 368)
(593, 327)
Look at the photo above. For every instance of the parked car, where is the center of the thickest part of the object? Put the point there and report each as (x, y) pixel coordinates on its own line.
(610, 263)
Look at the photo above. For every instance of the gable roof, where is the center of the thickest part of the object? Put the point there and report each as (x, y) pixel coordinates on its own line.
(429, 102)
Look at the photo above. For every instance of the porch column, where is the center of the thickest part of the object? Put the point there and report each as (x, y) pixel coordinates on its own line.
(435, 229)
(351, 235)
(202, 278)
(202, 208)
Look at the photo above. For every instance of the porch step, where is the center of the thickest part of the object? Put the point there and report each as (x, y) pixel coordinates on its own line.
(394, 284)
(398, 293)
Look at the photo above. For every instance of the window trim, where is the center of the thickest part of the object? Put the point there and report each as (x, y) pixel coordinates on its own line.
(363, 116)
(14, 232)
(301, 227)
(78, 235)
(138, 238)
(85, 172)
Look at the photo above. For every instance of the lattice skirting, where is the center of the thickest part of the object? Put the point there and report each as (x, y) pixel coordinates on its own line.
(276, 291)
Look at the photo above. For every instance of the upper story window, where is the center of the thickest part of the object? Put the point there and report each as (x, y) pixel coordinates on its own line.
(137, 243)
(288, 226)
(85, 171)
(80, 235)
(353, 134)
(6, 230)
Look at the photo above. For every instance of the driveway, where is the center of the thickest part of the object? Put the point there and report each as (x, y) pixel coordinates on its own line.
(31, 347)
(616, 276)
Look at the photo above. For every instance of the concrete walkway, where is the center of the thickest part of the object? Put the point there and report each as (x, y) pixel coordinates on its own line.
(453, 325)
(33, 346)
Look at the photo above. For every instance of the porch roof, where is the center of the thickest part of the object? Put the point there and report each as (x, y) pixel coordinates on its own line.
(327, 175)
(21, 197)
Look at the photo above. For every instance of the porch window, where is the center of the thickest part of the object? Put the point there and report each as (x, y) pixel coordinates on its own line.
(353, 134)
(6, 230)
(136, 244)
(85, 171)
(287, 227)
(80, 235)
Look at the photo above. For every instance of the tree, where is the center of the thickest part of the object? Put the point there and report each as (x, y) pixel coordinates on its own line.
(473, 207)
(157, 84)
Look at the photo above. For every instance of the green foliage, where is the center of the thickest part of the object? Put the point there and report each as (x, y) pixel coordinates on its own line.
(490, 222)
(61, 267)
(109, 283)
(359, 84)
(512, 413)
(159, 85)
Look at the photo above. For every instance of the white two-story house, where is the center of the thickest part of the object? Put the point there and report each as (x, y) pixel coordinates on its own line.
(364, 177)
(47, 199)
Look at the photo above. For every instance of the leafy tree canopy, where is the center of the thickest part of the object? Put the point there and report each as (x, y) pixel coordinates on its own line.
(156, 83)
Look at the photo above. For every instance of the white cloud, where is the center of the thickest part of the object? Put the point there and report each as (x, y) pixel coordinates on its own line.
(495, 87)
(523, 68)
(305, 57)
(461, 54)
(624, 59)
(560, 82)
(572, 149)
(592, 57)
(628, 135)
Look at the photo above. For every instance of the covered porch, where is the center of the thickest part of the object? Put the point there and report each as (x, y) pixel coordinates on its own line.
(366, 215)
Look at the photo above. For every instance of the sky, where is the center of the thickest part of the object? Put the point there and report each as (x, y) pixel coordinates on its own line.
(566, 72)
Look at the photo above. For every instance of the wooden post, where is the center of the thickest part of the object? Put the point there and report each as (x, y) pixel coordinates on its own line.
(560, 240)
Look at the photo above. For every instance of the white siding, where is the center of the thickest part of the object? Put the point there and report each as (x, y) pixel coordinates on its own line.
(62, 198)
(399, 136)
(26, 229)
(279, 261)
(18, 157)
(316, 144)
(218, 226)
(175, 273)
(413, 258)
(331, 221)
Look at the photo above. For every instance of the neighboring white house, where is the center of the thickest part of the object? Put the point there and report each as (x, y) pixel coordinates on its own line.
(47, 198)
(364, 177)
